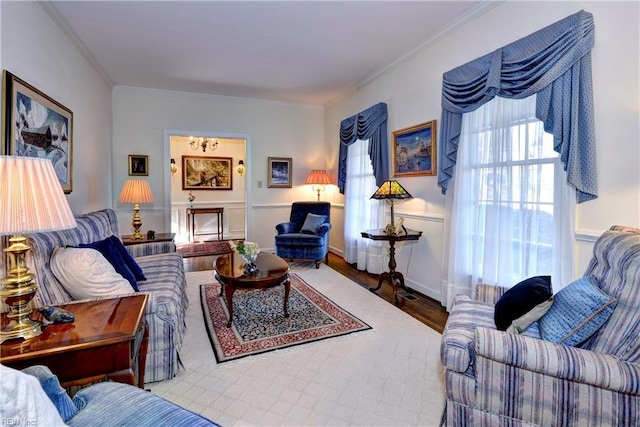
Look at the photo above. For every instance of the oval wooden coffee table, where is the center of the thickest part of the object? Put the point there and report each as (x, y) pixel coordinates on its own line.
(272, 271)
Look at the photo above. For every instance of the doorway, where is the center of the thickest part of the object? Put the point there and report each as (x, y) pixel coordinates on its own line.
(232, 192)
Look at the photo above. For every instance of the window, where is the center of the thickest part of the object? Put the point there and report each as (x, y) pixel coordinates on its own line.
(360, 211)
(512, 208)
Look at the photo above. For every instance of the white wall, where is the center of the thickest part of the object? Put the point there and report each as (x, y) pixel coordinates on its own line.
(141, 117)
(35, 50)
(412, 92)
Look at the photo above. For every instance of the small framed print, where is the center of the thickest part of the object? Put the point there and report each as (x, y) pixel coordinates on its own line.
(138, 165)
(280, 169)
(414, 150)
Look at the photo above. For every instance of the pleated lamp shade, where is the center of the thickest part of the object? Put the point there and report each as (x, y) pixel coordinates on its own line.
(136, 191)
(318, 177)
(31, 197)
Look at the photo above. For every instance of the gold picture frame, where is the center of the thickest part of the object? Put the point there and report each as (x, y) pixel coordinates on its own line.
(280, 170)
(207, 173)
(47, 134)
(414, 150)
(138, 165)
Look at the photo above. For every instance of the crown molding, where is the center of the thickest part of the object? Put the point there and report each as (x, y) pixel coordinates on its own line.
(210, 96)
(483, 7)
(66, 29)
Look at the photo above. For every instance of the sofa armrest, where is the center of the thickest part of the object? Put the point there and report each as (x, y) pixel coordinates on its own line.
(489, 294)
(115, 404)
(151, 248)
(149, 308)
(558, 361)
(324, 229)
(285, 228)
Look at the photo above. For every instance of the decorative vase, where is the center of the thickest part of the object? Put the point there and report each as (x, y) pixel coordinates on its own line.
(250, 269)
(249, 258)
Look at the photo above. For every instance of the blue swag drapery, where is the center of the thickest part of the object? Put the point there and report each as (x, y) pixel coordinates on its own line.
(555, 63)
(369, 124)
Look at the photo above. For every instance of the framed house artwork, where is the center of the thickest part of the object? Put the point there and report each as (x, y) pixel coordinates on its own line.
(138, 165)
(35, 125)
(206, 173)
(414, 150)
(280, 169)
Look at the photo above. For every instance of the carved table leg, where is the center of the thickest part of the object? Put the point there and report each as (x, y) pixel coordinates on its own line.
(228, 288)
(287, 290)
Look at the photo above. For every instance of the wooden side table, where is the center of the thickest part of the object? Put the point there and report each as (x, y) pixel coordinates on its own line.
(191, 221)
(160, 237)
(108, 339)
(393, 276)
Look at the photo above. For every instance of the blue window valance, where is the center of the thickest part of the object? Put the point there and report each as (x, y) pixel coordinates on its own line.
(369, 124)
(555, 64)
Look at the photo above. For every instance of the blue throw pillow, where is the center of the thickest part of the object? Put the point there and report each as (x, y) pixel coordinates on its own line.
(521, 299)
(51, 386)
(578, 311)
(312, 222)
(128, 259)
(111, 253)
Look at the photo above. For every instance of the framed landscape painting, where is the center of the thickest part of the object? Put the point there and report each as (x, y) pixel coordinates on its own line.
(35, 125)
(206, 173)
(279, 172)
(414, 150)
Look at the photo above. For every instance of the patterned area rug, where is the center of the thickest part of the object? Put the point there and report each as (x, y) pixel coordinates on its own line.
(203, 248)
(259, 325)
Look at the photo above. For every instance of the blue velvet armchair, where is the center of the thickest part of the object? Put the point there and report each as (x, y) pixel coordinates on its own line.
(306, 235)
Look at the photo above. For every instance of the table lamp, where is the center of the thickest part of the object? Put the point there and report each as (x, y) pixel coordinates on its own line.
(136, 191)
(390, 191)
(32, 201)
(319, 179)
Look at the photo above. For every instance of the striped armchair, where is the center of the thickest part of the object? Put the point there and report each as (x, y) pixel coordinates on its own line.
(496, 378)
(166, 285)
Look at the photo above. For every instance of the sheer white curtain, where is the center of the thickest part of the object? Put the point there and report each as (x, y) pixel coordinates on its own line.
(361, 212)
(511, 212)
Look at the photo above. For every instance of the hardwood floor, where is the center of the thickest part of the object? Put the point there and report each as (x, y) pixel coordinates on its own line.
(425, 309)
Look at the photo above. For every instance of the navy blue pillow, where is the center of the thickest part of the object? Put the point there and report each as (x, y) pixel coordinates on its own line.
(521, 299)
(111, 253)
(128, 259)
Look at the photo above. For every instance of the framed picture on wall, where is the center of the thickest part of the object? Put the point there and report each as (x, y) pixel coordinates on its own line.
(35, 125)
(138, 165)
(280, 169)
(414, 150)
(206, 173)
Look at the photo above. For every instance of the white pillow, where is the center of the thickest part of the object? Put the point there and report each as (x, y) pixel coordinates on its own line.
(24, 402)
(86, 273)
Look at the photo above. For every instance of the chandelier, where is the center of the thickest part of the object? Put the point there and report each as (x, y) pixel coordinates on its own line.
(203, 143)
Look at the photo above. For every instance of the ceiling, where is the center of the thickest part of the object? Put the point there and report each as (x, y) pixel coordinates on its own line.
(293, 51)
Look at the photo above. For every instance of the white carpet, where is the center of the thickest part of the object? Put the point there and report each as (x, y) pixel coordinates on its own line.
(387, 376)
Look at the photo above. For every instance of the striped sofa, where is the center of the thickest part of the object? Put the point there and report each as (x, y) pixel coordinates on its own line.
(496, 378)
(165, 285)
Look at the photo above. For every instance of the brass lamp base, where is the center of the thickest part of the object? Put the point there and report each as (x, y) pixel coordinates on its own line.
(21, 328)
(19, 290)
(136, 222)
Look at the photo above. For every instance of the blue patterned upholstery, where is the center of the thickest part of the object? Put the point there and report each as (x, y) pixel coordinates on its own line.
(112, 404)
(497, 378)
(166, 285)
(292, 244)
